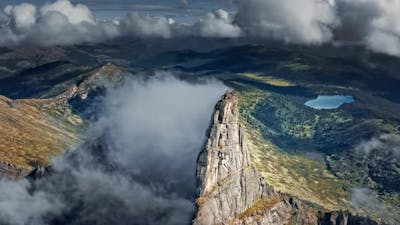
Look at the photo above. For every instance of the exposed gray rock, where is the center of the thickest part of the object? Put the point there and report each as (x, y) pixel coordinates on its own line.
(229, 185)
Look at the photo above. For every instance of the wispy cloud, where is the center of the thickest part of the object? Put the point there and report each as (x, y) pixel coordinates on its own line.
(382, 144)
(365, 200)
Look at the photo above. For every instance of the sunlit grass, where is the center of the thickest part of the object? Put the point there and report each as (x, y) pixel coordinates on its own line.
(297, 67)
(294, 174)
(31, 136)
(268, 80)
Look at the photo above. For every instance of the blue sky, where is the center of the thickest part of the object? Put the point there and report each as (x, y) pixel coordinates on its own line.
(170, 8)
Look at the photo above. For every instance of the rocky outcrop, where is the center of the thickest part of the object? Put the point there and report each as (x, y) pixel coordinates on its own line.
(231, 191)
(107, 75)
(38, 173)
(11, 170)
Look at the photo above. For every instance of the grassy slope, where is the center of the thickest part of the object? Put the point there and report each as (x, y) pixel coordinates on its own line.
(30, 133)
(294, 174)
(268, 80)
(278, 143)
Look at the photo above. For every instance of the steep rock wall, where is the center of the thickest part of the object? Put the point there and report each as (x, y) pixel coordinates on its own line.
(231, 191)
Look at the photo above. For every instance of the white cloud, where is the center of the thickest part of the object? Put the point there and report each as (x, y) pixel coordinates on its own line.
(375, 23)
(63, 23)
(385, 143)
(218, 24)
(385, 29)
(75, 13)
(293, 21)
(22, 16)
(19, 207)
(384, 42)
(366, 199)
(389, 19)
(138, 25)
(58, 23)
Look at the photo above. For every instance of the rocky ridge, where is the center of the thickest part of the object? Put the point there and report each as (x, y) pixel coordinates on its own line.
(231, 190)
(34, 130)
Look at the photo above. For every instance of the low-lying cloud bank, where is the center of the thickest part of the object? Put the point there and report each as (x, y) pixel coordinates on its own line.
(374, 23)
(364, 199)
(63, 23)
(139, 168)
(367, 199)
(388, 144)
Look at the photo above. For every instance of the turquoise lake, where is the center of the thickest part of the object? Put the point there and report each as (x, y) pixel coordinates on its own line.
(329, 101)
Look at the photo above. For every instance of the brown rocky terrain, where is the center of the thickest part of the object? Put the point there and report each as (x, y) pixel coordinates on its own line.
(32, 131)
(30, 135)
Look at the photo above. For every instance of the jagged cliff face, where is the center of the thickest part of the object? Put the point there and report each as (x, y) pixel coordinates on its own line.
(231, 190)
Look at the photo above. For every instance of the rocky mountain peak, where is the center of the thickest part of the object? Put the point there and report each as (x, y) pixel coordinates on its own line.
(232, 191)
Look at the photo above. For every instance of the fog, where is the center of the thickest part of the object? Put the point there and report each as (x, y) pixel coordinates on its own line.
(383, 144)
(364, 199)
(137, 167)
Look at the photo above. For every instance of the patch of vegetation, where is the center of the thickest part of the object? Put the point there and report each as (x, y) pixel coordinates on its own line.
(296, 66)
(268, 80)
(261, 205)
(29, 134)
(249, 100)
(295, 174)
(281, 130)
(291, 173)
